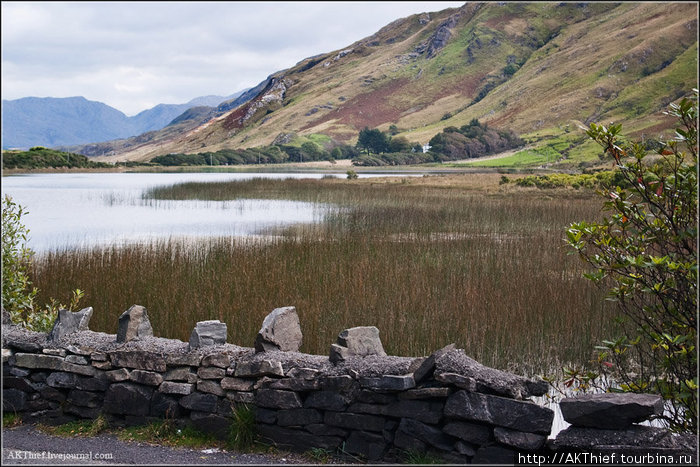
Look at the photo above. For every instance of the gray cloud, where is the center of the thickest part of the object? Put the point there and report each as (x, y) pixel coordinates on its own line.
(133, 55)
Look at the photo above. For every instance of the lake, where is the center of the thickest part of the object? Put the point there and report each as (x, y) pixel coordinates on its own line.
(68, 211)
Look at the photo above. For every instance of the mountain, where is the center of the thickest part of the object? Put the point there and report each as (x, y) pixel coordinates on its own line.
(540, 69)
(53, 122)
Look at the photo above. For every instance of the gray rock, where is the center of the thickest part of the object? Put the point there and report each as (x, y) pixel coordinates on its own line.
(326, 400)
(389, 383)
(68, 323)
(170, 387)
(280, 331)
(488, 380)
(426, 367)
(357, 342)
(299, 417)
(84, 398)
(220, 360)
(137, 359)
(427, 412)
(297, 439)
(647, 437)
(237, 384)
(254, 369)
(30, 360)
(62, 380)
(518, 439)
(277, 399)
(13, 400)
(211, 387)
(200, 402)
(149, 378)
(216, 425)
(371, 446)
(426, 433)
(354, 421)
(207, 333)
(128, 399)
(134, 324)
(610, 410)
(500, 411)
(470, 432)
(163, 406)
(208, 372)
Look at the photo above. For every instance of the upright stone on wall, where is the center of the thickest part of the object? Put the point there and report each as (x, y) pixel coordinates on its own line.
(206, 333)
(360, 341)
(68, 323)
(134, 324)
(280, 331)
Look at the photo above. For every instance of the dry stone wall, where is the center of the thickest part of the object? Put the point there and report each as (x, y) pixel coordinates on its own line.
(357, 400)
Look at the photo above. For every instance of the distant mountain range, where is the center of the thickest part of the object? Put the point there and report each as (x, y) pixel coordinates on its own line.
(543, 70)
(55, 122)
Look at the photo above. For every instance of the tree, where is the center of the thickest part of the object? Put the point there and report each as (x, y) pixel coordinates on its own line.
(646, 253)
(372, 141)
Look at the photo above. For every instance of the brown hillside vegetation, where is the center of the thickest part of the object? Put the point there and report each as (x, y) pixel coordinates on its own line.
(522, 66)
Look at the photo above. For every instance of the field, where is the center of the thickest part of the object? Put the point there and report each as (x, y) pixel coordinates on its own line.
(428, 260)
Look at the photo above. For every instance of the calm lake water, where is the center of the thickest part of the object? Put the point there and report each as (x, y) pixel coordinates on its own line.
(81, 210)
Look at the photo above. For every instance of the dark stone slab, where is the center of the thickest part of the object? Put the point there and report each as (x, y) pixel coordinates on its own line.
(68, 322)
(428, 434)
(277, 399)
(326, 400)
(354, 421)
(495, 410)
(200, 402)
(610, 410)
(470, 432)
(518, 439)
(489, 380)
(370, 446)
(297, 440)
(128, 399)
(298, 417)
(579, 438)
(140, 360)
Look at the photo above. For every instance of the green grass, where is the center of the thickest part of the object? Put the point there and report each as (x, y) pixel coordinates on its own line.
(11, 419)
(524, 158)
(428, 264)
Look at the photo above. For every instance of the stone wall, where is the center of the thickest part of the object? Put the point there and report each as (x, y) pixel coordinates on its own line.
(357, 400)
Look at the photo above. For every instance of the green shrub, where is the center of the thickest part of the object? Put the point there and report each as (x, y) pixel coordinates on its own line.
(17, 291)
(645, 254)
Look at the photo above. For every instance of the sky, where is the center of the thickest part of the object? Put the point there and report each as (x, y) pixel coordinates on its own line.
(135, 55)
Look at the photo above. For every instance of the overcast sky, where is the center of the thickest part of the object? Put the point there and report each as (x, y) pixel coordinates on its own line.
(134, 55)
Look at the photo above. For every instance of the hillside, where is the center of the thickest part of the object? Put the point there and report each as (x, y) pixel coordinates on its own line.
(56, 122)
(540, 69)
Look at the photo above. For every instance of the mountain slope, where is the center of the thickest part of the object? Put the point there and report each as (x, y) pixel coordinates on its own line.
(540, 68)
(52, 122)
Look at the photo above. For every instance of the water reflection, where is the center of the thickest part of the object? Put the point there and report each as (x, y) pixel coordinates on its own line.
(82, 210)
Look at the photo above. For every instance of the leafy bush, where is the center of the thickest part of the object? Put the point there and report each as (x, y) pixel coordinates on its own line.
(17, 291)
(646, 253)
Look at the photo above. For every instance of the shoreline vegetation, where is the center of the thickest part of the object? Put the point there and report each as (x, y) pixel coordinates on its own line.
(469, 259)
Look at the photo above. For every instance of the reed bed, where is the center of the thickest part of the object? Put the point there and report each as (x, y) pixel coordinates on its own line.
(428, 265)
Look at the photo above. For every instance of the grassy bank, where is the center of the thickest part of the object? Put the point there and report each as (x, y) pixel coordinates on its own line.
(429, 261)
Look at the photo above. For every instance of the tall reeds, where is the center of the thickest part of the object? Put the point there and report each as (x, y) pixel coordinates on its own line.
(427, 265)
